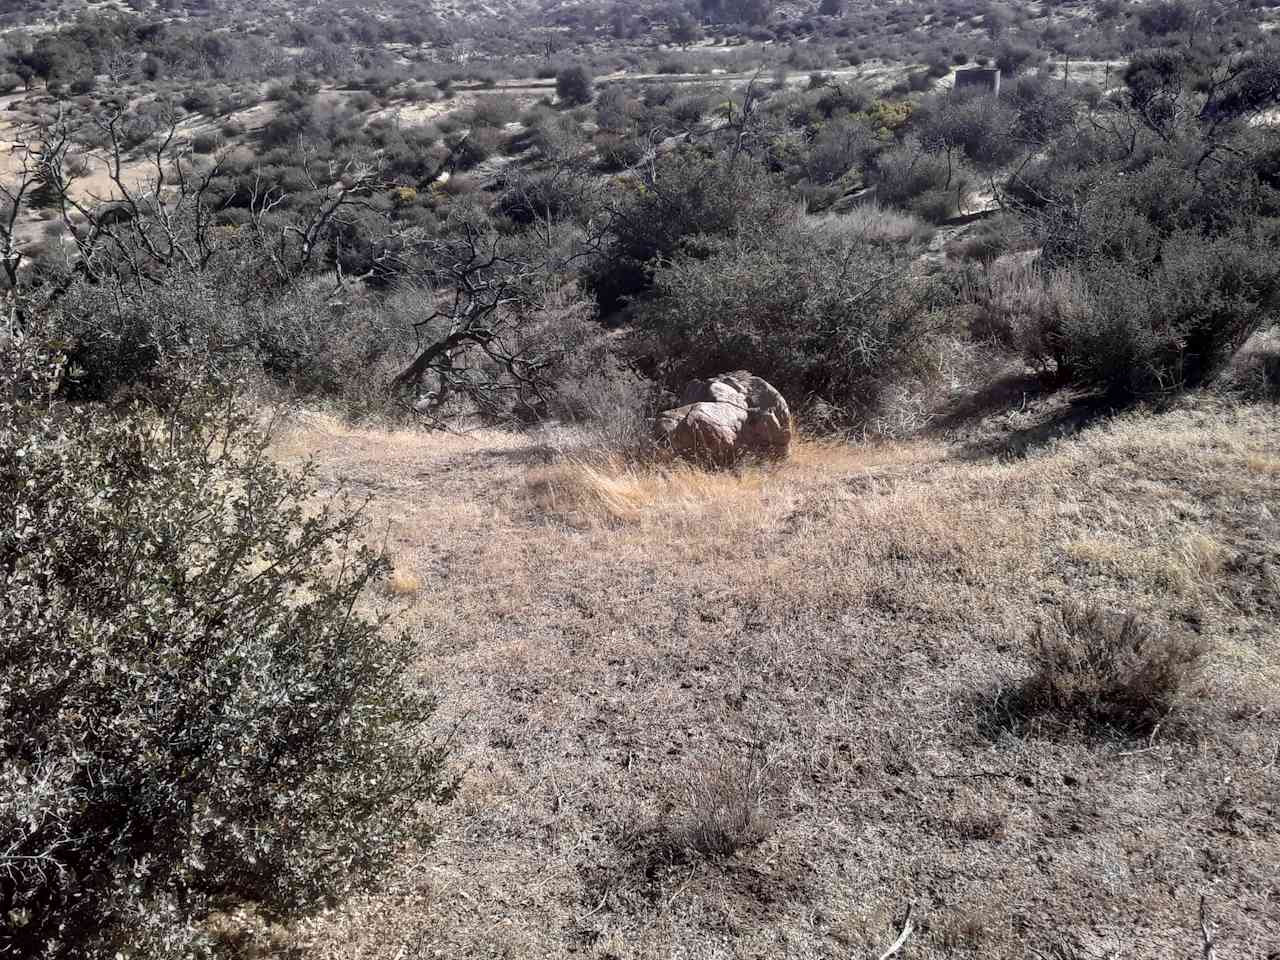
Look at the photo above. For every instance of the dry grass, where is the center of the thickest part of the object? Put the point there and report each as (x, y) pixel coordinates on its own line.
(403, 583)
(609, 637)
(592, 491)
(1096, 668)
(874, 223)
(726, 805)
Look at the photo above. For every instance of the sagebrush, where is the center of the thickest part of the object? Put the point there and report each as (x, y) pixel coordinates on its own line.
(192, 711)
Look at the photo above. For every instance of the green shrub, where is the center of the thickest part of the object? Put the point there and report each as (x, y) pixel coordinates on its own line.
(612, 110)
(988, 240)
(673, 66)
(205, 143)
(820, 315)
(1169, 228)
(619, 153)
(192, 714)
(931, 185)
(1173, 325)
(687, 195)
(574, 85)
(689, 110)
(1103, 669)
(496, 111)
(974, 126)
(476, 147)
(1165, 16)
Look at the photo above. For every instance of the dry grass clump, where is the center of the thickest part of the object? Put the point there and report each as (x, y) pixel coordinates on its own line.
(1197, 563)
(585, 493)
(726, 807)
(875, 223)
(1110, 670)
(403, 583)
(729, 805)
(1021, 306)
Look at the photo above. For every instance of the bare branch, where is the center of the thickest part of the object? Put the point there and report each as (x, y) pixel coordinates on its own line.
(1206, 932)
(903, 934)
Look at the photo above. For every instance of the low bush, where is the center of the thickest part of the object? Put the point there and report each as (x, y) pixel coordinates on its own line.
(496, 111)
(205, 143)
(476, 147)
(574, 85)
(1155, 330)
(192, 715)
(687, 195)
(822, 317)
(840, 146)
(1109, 671)
(989, 239)
(872, 223)
(619, 153)
(931, 185)
(1022, 306)
(1170, 228)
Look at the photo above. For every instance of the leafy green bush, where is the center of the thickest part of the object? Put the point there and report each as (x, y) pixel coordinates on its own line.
(192, 714)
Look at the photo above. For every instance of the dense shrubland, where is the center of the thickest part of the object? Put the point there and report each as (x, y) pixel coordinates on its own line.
(1156, 200)
(1164, 207)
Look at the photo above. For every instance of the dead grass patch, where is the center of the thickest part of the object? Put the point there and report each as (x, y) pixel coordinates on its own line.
(585, 494)
(1195, 566)
(1266, 466)
(403, 584)
(1100, 669)
(607, 632)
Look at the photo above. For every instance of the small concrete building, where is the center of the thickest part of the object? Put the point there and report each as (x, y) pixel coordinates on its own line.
(978, 80)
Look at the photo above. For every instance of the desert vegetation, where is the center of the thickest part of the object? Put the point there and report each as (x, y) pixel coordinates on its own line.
(352, 605)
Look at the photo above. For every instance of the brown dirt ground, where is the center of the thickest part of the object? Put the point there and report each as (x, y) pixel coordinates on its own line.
(613, 643)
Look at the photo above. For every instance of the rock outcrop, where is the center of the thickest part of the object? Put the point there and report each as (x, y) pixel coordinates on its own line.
(722, 420)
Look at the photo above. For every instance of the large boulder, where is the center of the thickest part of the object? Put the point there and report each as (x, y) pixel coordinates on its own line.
(726, 418)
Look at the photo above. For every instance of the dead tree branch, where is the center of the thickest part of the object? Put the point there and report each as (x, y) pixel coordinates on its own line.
(904, 932)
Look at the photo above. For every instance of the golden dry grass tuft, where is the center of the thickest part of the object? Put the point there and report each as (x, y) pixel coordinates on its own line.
(586, 492)
(606, 635)
(403, 583)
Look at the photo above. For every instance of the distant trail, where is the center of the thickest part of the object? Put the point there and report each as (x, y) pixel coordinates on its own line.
(691, 79)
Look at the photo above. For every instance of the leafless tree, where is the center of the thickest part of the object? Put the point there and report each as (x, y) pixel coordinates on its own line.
(156, 225)
(483, 302)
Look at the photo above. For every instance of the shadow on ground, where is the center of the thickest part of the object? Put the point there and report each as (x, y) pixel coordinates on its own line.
(1013, 415)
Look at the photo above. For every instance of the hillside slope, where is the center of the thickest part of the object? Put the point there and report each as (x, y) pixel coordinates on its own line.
(649, 670)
